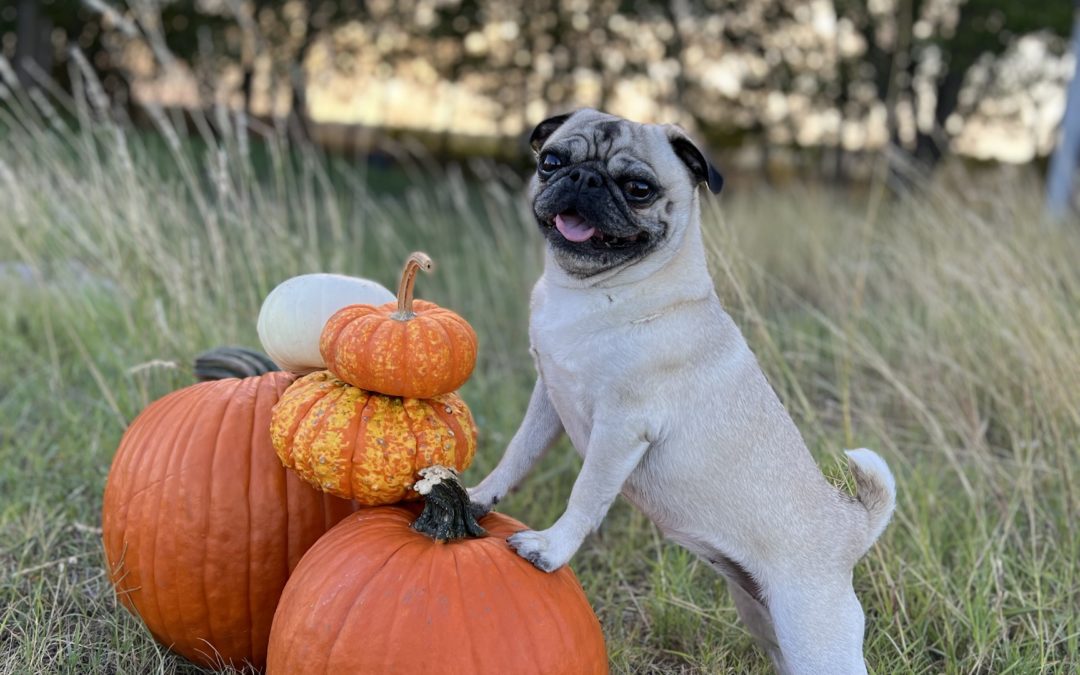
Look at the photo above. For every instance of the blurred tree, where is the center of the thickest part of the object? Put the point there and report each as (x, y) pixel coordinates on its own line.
(39, 35)
(256, 36)
(209, 36)
(33, 48)
(919, 54)
(786, 72)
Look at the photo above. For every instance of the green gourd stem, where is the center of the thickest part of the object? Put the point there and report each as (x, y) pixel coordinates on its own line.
(446, 515)
(224, 362)
(417, 261)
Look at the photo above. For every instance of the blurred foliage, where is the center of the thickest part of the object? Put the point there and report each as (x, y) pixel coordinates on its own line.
(37, 35)
(954, 36)
(714, 65)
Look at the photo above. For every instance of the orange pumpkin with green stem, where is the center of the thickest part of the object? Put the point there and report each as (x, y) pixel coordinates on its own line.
(411, 348)
(391, 593)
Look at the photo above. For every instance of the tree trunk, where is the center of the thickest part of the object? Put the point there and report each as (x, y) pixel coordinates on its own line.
(298, 122)
(246, 86)
(932, 145)
(1059, 183)
(33, 40)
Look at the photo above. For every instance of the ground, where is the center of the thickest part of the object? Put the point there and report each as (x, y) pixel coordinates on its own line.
(940, 329)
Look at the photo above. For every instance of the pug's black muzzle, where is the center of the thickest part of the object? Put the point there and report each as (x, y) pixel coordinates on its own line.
(590, 193)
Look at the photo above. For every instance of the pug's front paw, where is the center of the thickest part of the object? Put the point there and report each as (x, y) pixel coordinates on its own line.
(480, 502)
(539, 549)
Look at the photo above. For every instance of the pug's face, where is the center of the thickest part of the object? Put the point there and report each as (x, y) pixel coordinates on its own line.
(608, 192)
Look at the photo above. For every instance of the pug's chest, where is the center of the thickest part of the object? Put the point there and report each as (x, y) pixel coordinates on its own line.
(577, 372)
(572, 397)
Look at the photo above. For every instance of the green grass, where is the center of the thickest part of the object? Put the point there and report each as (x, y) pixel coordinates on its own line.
(941, 330)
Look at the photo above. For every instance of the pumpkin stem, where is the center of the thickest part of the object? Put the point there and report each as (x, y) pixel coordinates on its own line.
(416, 261)
(446, 515)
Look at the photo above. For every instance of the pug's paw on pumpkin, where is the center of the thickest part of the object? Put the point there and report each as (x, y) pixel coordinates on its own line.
(539, 548)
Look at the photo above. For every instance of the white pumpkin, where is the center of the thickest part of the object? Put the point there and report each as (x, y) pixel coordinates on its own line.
(293, 315)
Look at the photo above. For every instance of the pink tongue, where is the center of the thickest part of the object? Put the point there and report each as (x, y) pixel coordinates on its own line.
(573, 227)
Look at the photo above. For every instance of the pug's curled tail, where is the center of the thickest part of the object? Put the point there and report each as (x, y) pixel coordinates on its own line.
(875, 490)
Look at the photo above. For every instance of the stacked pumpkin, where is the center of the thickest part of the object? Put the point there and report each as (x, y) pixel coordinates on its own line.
(385, 407)
(201, 531)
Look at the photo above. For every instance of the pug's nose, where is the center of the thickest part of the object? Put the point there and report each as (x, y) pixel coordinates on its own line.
(586, 178)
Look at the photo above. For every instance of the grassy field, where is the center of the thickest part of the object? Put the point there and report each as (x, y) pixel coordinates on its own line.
(942, 330)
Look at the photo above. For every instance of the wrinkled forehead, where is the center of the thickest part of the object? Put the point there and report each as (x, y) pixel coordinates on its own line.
(622, 146)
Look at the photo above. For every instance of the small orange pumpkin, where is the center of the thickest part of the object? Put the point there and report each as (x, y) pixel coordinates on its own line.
(413, 349)
(386, 592)
(365, 446)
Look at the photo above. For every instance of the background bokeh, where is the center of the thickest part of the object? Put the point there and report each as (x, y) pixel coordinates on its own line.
(835, 78)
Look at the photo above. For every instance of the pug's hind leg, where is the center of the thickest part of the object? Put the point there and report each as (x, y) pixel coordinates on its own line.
(749, 598)
(819, 624)
(755, 616)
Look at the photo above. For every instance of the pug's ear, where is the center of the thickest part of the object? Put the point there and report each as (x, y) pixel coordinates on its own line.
(544, 130)
(694, 159)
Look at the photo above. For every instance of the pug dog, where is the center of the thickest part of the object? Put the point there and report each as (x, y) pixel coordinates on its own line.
(638, 363)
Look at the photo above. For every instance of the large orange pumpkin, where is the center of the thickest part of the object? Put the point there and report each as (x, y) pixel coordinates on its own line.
(380, 594)
(201, 523)
(413, 349)
(365, 446)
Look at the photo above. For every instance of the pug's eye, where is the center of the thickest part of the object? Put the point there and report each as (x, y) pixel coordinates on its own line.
(549, 164)
(637, 190)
